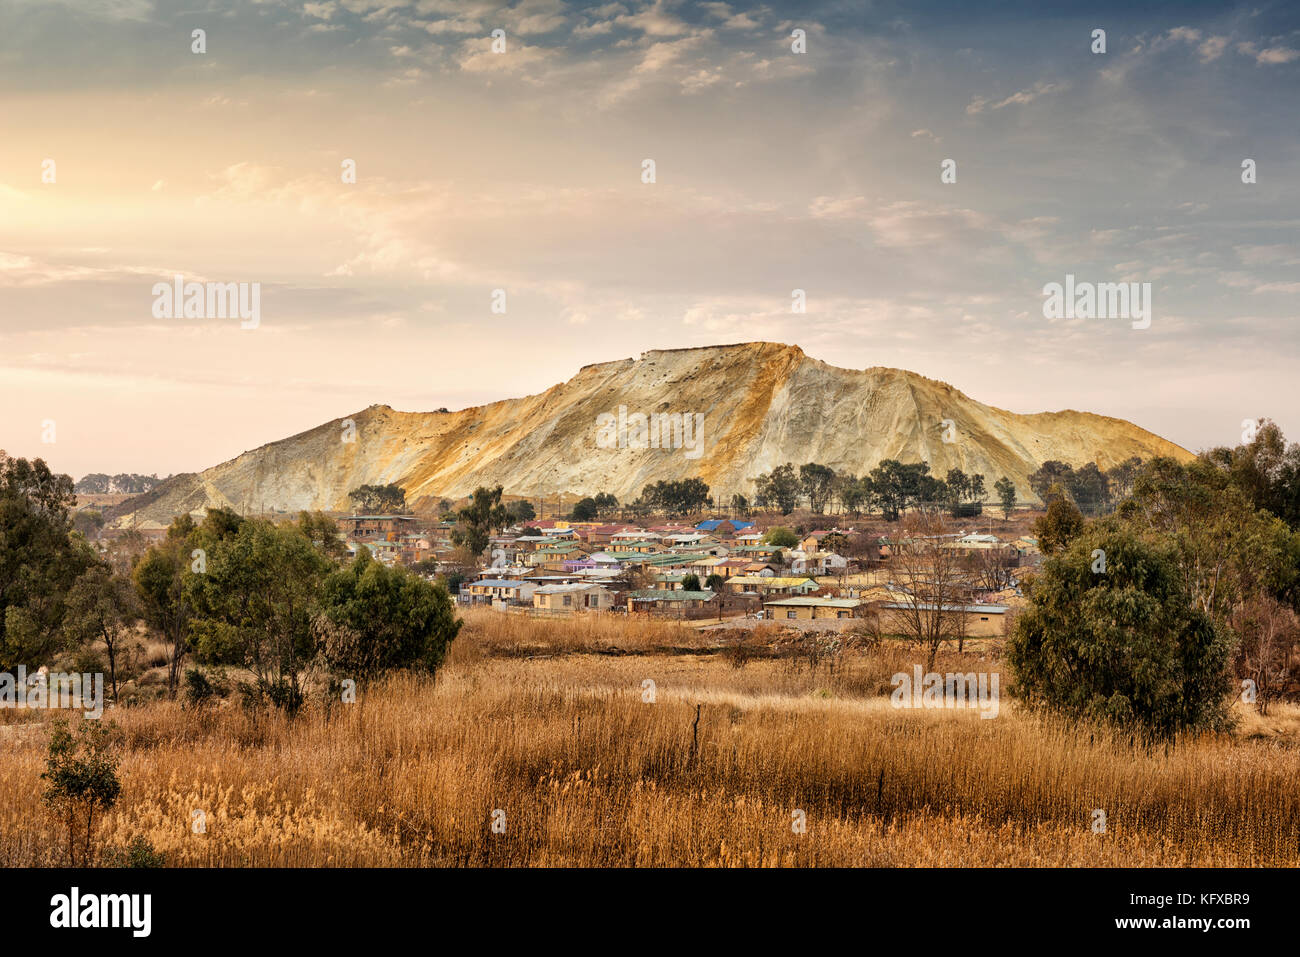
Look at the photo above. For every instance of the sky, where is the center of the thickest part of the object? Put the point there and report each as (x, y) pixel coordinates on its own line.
(127, 158)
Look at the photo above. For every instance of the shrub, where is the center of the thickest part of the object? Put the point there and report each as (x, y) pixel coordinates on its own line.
(80, 779)
(198, 689)
(139, 853)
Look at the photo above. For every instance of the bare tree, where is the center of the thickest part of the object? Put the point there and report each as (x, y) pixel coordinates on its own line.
(991, 568)
(1269, 646)
(935, 586)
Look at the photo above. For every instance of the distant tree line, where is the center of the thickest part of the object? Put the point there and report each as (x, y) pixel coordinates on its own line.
(124, 483)
(601, 505)
(1094, 491)
(676, 498)
(891, 488)
(378, 499)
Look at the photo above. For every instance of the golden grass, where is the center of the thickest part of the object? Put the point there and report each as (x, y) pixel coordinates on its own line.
(589, 774)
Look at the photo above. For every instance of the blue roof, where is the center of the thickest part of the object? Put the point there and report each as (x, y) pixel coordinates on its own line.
(713, 523)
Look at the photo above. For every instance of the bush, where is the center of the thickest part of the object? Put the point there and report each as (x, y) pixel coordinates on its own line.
(781, 536)
(80, 779)
(1110, 633)
(139, 853)
(375, 619)
(198, 689)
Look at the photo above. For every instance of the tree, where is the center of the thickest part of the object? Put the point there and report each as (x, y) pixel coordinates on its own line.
(778, 489)
(781, 537)
(159, 579)
(88, 523)
(1048, 474)
(690, 582)
(1006, 490)
(378, 499)
(1225, 549)
(740, 504)
(1125, 643)
(964, 493)
(1120, 478)
(218, 523)
(678, 497)
(992, 568)
(898, 487)
(101, 606)
(1089, 488)
(374, 619)
(80, 779)
(1059, 526)
(936, 587)
(1268, 636)
(323, 532)
(853, 492)
(836, 542)
(483, 517)
(584, 510)
(39, 560)
(606, 504)
(714, 583)
(816, 482)
(520, 511)
(253, 605)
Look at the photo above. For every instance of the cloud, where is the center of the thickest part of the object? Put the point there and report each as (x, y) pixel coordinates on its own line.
(1041, 88)
(1269, 56)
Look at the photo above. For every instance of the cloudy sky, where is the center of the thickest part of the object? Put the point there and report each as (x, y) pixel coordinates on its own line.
(522, 171)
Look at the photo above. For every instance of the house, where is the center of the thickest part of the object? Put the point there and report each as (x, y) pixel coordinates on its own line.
(362, 528)
(969, 545)
(619, 540)
(812, 542)
(807, 607)
(706, 567)
(770, 585)
(640, 546)
(497, 591)
(387, 552)
(982, 621)
(580, 596)
(688, 539)
(755, 552)
(670, 581)
(723, 529)
(600, 536)
(1026, 545)
(677, 604)
(817, 563)
(554, 556)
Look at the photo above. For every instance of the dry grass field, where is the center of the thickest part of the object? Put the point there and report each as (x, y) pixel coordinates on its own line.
(545, 722)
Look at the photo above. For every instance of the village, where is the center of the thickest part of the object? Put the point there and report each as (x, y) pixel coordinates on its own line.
(713, 570)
